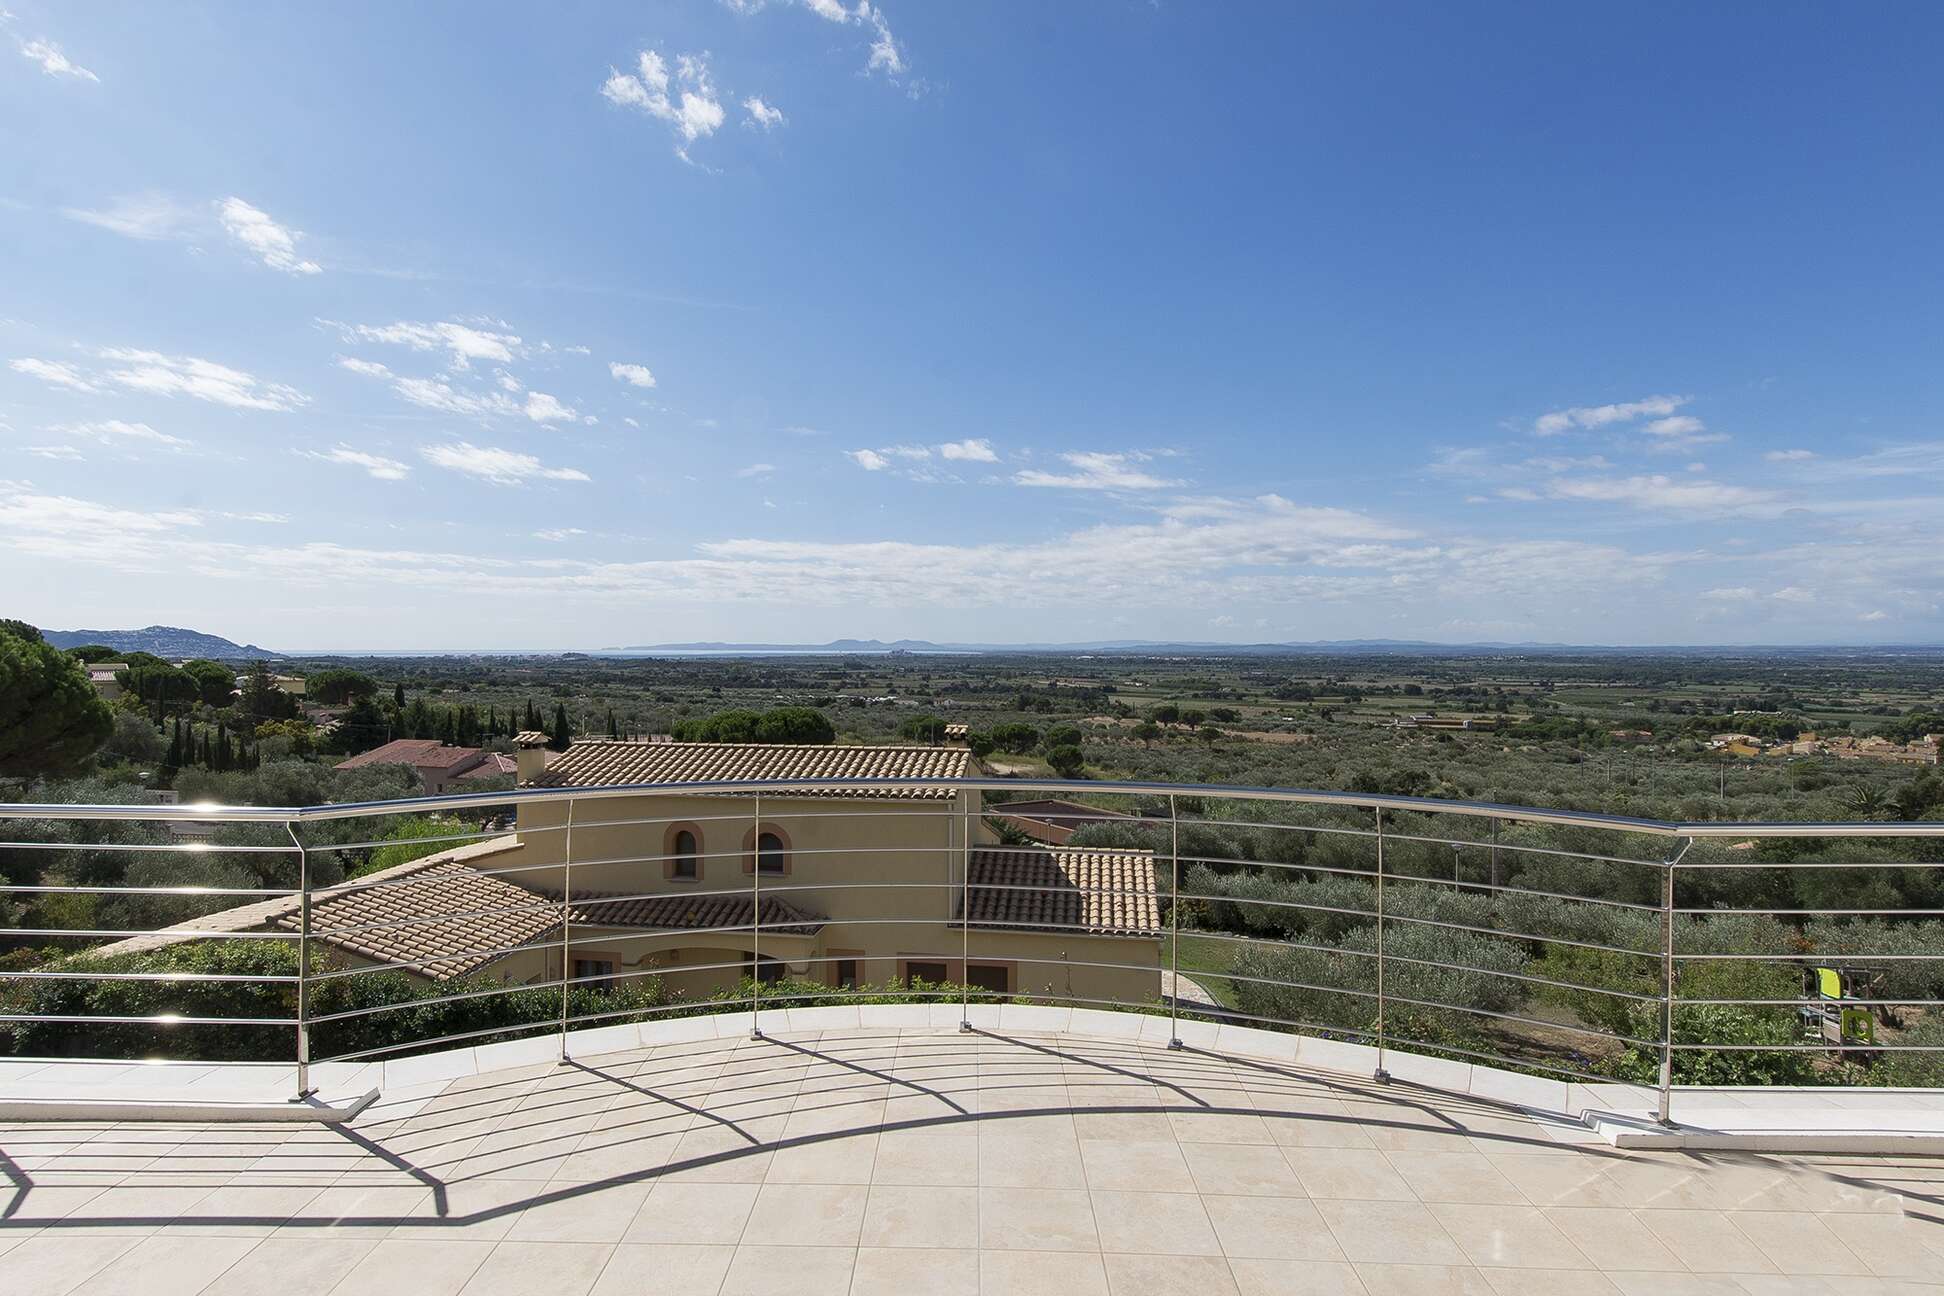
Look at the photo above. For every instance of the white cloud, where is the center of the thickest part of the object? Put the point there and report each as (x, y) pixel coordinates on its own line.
(886, 54)
(1796, 594)
(53, 62)
(369, 368)
(1731, 594)
(166, 375)
(869, 460)
(377, 465)
(1599, 416)
(756, 470)
(501, 467)
(542, 408)
(55, 373)
(1789, 456)
(1877, 615)
(1660, 493)
(463, 343)
(1675, 425)
(632, 374)
(65, 452)
(63, 515)
(273, 244)
(146, 216)
(767, 116)
(970, 451)
(110, 430)
(558, 534)
(1095, 471)
(692, 111)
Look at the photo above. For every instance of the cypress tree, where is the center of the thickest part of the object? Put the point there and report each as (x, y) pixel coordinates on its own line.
(563, 733)
(398, 693)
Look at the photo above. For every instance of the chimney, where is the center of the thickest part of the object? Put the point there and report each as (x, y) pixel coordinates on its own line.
(530, 756)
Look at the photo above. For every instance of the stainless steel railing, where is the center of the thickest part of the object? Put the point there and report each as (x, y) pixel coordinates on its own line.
(1554, 942)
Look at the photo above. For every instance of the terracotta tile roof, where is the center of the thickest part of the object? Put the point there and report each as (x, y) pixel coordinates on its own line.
(1105, 892)
(599, 764)
(423, 753)
(530, 738)
(496, 765)
(688, 913)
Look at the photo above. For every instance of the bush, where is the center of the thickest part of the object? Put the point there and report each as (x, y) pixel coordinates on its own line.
(1721, 1024)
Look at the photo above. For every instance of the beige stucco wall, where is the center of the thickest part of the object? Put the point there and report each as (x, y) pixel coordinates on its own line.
(886, 874)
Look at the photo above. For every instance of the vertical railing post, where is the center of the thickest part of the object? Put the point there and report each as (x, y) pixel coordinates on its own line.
(304, 1089)
(1380, 1075)
(965, 914)
(756, 920)
(566, 929)
(1174, 925)
(1665, 1112)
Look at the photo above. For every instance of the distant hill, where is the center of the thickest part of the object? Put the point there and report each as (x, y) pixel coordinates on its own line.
(163, 641)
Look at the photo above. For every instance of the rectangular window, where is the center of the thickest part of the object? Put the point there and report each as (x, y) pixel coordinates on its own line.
(847, 974)
(996, 977)
(915, 970)
(594, 972)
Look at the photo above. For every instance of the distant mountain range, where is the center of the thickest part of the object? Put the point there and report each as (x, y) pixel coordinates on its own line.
(163, 641)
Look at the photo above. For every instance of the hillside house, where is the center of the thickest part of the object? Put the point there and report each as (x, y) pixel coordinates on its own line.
(441, 768)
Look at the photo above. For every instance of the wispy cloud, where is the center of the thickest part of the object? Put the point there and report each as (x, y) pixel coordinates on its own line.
(632, 374)
(969, 451)
(462, 343)
(756, 470)
(53, 62)
(55, 373)
(1660, 493)
(1599, 416)
(501, 467)
(686, 101)
(273, 244)
(167, 375)
(1096, 471)
(109, 431)
(147, 216)
(1789, 456)
(376, 465)
(558, 534)
(762, 115)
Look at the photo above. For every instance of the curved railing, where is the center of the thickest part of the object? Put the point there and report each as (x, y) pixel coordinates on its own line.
(1585, 946)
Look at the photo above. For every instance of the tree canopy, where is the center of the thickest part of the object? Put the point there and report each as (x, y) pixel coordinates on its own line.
(51, 718)
(337, 685)
(787, 725)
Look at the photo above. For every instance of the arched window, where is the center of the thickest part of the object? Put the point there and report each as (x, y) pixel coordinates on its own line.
(769, 853)
(766, 849)
(682, 853)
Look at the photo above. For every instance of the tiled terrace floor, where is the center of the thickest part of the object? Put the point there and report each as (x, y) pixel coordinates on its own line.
(869, 1162)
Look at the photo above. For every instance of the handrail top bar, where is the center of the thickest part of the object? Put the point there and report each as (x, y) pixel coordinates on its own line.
(208, 813)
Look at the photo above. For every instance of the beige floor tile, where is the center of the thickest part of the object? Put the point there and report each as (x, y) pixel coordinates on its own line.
(659, 1269)
(1796, 1243)
(1675, 1283)
(580, 1213)
(1463, 1177)
(288, 1265)
(174, 1264)
(1612, 1238)
(1041, 1273)
(790, 1271)
(1551, 1179)
(556, 1268)
(366, 1211)
(1136, 1166)
(908, 1216)
(1295, 1277)
(1167, 1275)
(1009, 1161)
(715, 1153)
(1242, 1169)
(806, 1215)
(1381, 1232)
(1036, 1219)
(1270, 1228)
(942, 1160)
(1893, 1246)
(1351, 1173)
(416, 1267)
(845, 1160)
(1130, 1126)
(886, 1272)
(1548, 1282)
(1508, 1237)
(693, 1213)
(56, 1261)
(1203, 1125)
(1706, 1241)
(1154, 1223)
(1423, 1280)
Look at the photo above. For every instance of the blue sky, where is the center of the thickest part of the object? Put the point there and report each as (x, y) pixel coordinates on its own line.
(425, 326)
